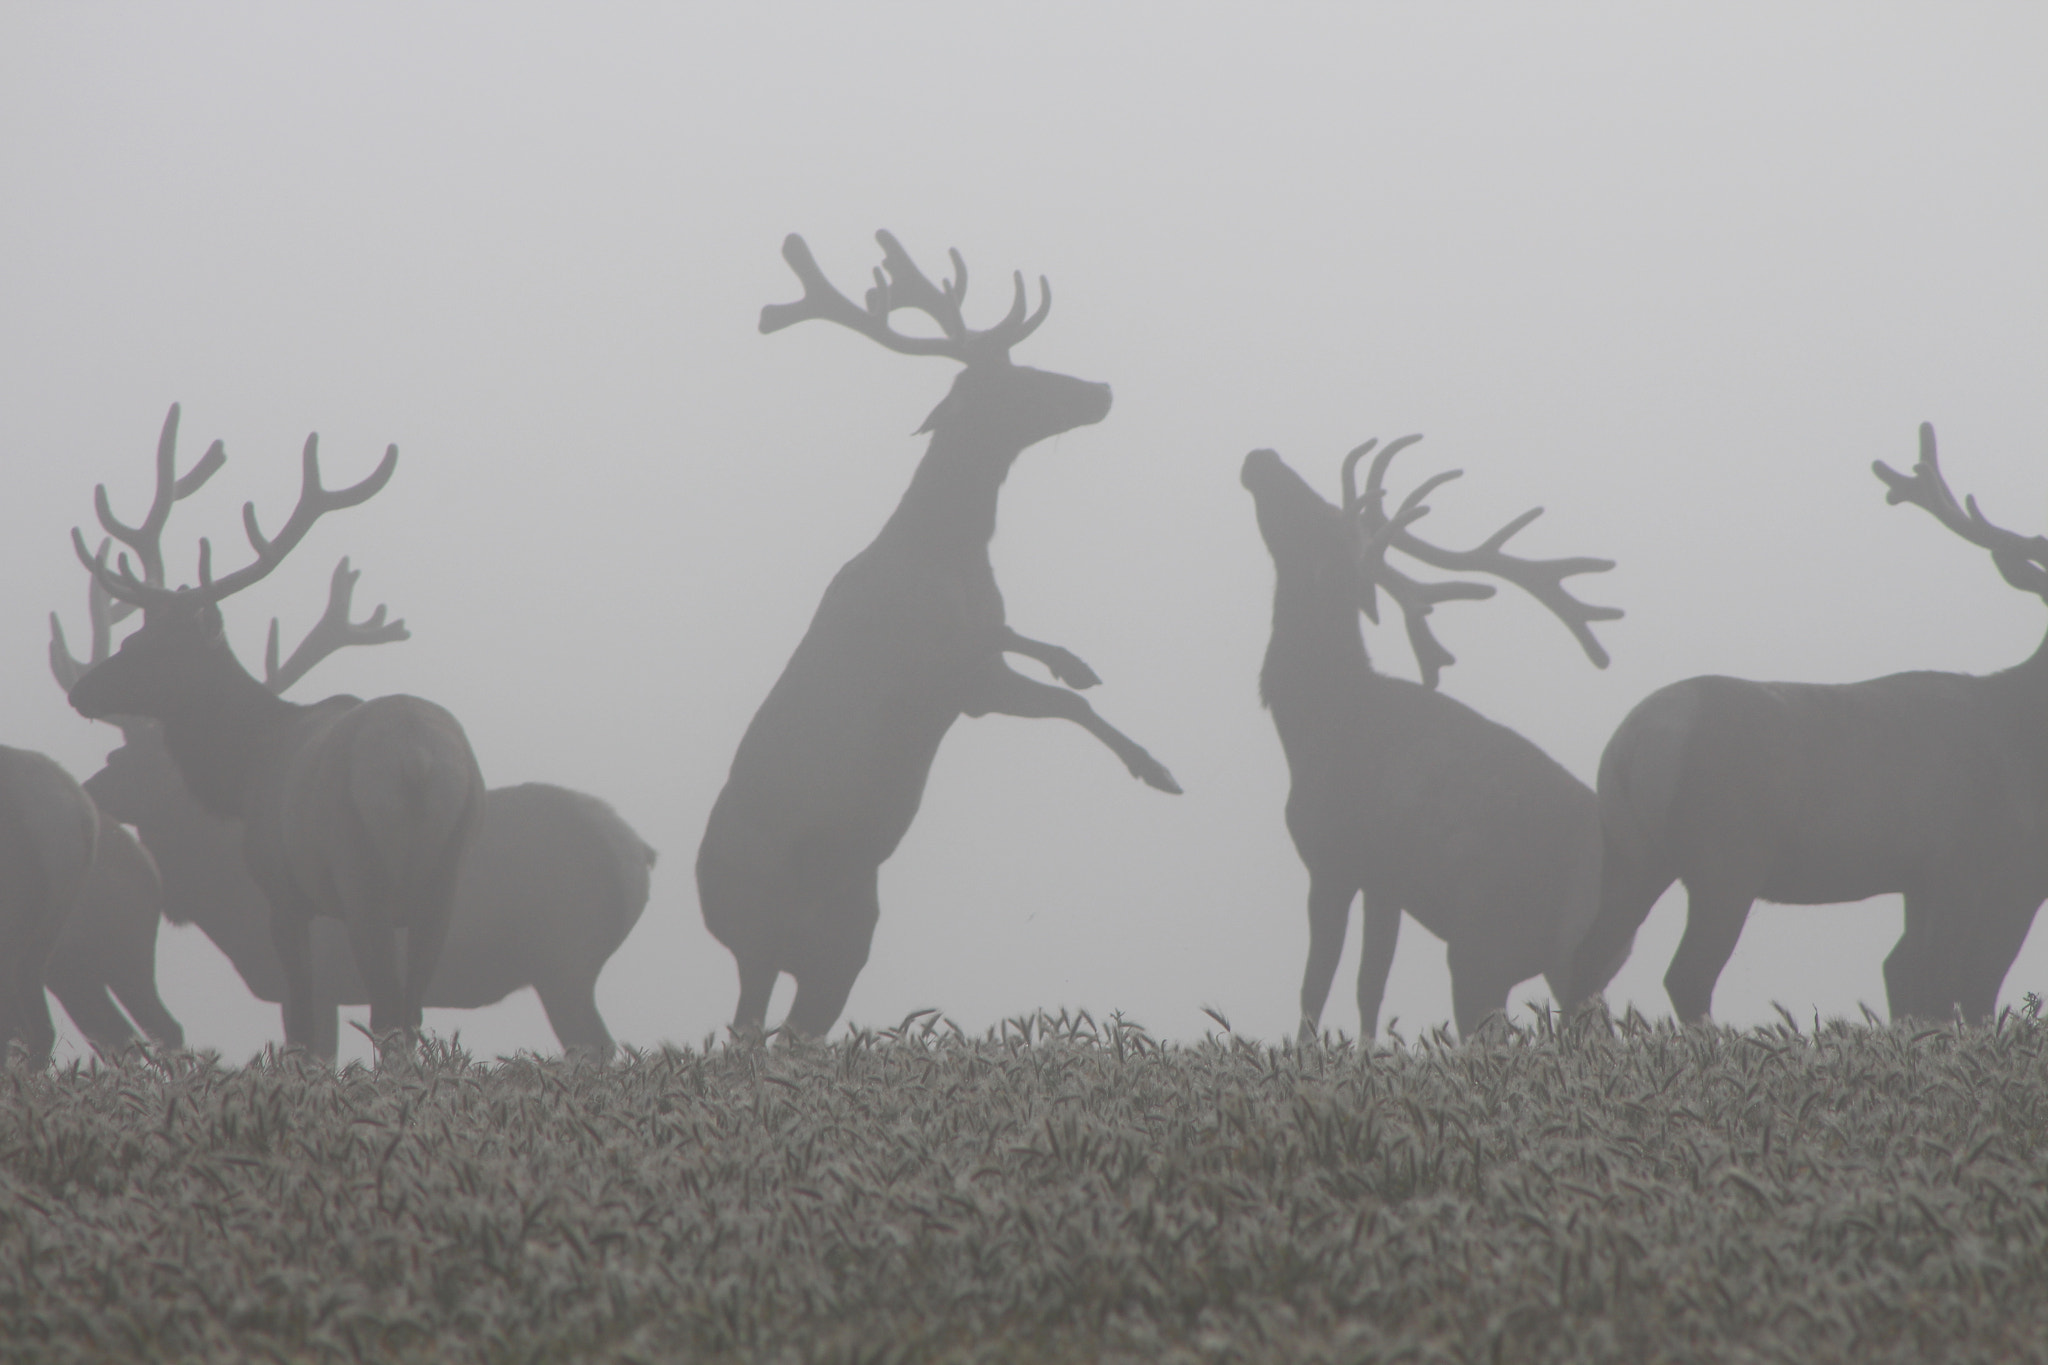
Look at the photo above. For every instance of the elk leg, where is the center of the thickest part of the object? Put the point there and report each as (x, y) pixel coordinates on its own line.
(572, 1014)
(1477, 991)
(132, 978)
(1006, 692)
(376, 952)
(757, 983)
(1629, 888)
(825, 980)
(1375, 959)
(92, 1010)
(1985, 960)
(1329, 913)
(1064, 664)
(1912, 968)
(31, 1012)
(1713, 921)
(292, 933)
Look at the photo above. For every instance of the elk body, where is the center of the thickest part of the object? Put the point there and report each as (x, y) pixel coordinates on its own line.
(909, 637)
(1930, 784)
(1401, 793)
(356, 810)
(555, 883)
(49, 831)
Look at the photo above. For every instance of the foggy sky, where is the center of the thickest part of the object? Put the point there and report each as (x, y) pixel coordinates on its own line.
(1678, 276)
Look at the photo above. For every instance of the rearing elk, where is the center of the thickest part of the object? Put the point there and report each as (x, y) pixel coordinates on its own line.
(909, 637)
(357, 810)
(1930, 784)
(1399, 792)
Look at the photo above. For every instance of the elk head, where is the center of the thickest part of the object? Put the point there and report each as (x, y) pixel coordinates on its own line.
(1003, 406)
(178, 667)
(1344, 549)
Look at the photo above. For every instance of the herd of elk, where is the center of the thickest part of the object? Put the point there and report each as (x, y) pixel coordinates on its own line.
(554, 884)
(1400, 793)
(910, 636)
(307, 841)
(361, 811)
(1934, 785)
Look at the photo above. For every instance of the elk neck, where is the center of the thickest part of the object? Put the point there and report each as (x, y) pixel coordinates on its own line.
(1316, 666)
(950, 506)
(219, 734)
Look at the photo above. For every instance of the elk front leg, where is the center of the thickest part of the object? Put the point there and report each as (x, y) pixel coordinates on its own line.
(1006, 692)
(1064, 664)
(1329, 910)
(292, 933)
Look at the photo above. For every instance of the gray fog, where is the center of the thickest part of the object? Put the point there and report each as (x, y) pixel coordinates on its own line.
(1676, 276)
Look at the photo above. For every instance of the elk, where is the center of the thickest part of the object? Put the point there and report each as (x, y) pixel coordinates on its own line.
(1930, 784)
(555, 883)
(49, 831)
(357, 810)
(909, 637)
(1401, 794)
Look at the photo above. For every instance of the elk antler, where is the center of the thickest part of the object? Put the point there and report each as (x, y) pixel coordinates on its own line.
(103, 611)
(332, 632)
(900, 284)
(147, 537)
(2021, 560)
(314, 502)
(1542, 579)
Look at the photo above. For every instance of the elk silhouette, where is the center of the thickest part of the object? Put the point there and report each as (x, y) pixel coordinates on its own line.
(358, 810)
(1930, 784)
(49, 831)
(909, 637)
(1399, 792)
(554, 884)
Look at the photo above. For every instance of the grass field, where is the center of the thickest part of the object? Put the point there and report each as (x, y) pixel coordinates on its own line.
(1061, 1189)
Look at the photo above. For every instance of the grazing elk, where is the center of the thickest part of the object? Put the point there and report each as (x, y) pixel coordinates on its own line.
(49, 830)
(1400, 793)
(1930, 784)
(910, 636)
(555, 883)
(357, 810)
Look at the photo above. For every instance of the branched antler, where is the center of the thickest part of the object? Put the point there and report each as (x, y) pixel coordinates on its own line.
(314, 502)
(102, 610)
(332, 632)
(900, 284)
(1542, 579)
(2021, 560)
(146, 538)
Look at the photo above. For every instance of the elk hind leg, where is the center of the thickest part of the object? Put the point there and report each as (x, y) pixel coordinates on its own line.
(1714, 918)
(1479, 990)
(1329, 910)
(1630, 884)
(572, 1013)
(1382, 931)
(757, 984)
(835, 959)
(92, 1009)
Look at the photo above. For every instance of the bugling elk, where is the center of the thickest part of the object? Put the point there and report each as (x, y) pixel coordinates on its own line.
(553, 886)
(909, 637)
(1402, 793)
(357, 810)
(1931, 784)
(49, 832)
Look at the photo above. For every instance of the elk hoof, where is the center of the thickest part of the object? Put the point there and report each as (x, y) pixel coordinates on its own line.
(1152, 773)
